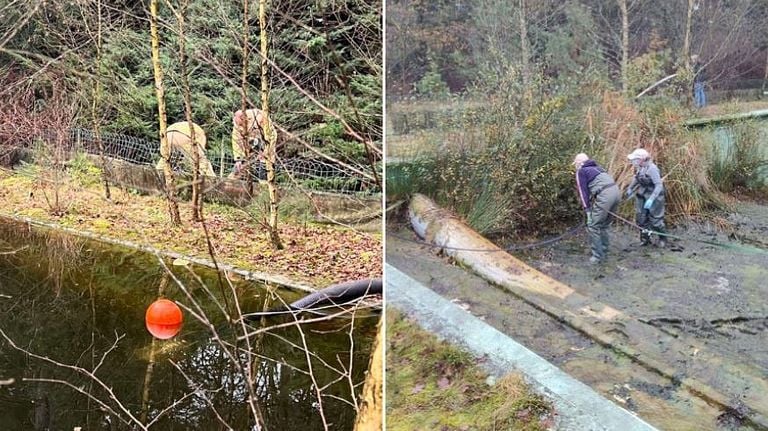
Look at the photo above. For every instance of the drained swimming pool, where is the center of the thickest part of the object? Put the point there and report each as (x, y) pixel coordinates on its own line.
(81, 304)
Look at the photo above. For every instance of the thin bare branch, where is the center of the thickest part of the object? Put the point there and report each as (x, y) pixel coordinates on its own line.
(81, 371)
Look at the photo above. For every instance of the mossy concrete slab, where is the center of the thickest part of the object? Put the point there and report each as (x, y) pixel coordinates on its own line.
(578, 406)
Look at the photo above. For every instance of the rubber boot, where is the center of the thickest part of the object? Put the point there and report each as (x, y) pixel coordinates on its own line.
(645, 238)
(662, 238)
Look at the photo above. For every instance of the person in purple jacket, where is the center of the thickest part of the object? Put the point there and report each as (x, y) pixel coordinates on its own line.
(599, 196)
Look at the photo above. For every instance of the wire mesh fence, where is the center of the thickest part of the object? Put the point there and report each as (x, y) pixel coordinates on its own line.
(314, 174)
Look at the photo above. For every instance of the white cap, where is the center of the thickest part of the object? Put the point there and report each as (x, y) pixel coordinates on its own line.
(580, 159)
(639, 154)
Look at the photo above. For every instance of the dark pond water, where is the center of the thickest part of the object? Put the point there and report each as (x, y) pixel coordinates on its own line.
(68, 299)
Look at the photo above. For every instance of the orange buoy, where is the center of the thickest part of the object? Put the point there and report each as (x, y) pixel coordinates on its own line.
(163, 319)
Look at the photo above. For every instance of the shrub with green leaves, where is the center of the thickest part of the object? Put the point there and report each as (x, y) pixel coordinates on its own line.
(432, 85)
(737, 160)
(84, 171)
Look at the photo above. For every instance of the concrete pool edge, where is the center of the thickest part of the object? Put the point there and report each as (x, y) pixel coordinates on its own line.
(248, 275)
(578, 406)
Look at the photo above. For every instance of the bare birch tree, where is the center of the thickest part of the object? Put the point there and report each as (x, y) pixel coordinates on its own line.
(271, 143)
(244, 101)
(765, 76)
(96, 102)
(165, 149)
(197, 178)
(624, 45)
(525, 53)
(686, 53)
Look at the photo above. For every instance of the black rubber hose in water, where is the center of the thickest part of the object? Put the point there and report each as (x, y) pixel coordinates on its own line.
(339, 293)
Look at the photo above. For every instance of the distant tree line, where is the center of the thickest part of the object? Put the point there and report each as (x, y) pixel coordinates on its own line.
(455, 45)
(330, 50)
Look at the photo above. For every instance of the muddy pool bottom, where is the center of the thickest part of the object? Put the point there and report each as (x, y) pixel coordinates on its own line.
(702, 308)
(82, 303)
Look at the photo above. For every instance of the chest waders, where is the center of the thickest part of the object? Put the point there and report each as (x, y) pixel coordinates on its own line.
(649, 219)
(604, 199)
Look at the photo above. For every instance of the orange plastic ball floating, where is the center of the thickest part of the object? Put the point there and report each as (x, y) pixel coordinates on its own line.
(163, 319)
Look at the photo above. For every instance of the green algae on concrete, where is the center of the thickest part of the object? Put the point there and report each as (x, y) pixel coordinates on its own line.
(434, 385)
(578, 407)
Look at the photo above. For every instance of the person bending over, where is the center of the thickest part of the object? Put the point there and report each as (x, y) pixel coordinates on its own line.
(599, 197)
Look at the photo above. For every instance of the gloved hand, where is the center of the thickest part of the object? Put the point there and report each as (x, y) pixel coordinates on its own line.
(629, 192)
(648, 204)
(589, 217)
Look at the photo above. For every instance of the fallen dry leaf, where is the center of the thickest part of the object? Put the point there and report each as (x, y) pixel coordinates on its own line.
(443, 382)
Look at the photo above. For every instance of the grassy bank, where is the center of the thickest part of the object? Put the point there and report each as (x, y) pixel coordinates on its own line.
(314, 254)
(432, 385)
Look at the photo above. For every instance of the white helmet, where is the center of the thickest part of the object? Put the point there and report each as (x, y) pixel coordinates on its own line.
(580, 159)
(639, 154)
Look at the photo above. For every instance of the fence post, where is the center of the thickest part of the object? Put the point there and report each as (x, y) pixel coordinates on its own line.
(221, 159)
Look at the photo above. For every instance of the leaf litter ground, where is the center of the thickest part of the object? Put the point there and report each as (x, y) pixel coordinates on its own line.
(314, 254)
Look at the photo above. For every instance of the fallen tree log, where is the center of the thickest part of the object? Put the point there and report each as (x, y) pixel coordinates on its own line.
(459, 241)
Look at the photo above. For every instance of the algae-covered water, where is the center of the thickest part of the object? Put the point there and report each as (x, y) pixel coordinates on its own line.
(70, 300)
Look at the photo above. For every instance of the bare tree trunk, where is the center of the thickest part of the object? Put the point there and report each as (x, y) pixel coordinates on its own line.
(624, 45)
(765, 77)
(197, 179)
(687, 40)
(269, 136)
(524, 50)
(525, 54)
(95, 106)
(165, 149)
(249, 159)
(403, 62)
(686, 54)
(369, 418)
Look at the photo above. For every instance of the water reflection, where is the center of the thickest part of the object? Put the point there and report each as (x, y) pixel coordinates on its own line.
(69, 299)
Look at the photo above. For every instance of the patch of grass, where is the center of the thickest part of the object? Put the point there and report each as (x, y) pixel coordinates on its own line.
(33, 212)
(83, 171)
(490, 209)
(432, 385)
(16, 181)
(732, 107)
(297, 208)
(101, 226)
(292, 206)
